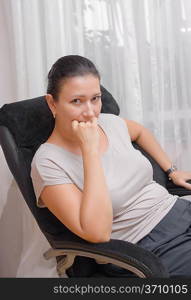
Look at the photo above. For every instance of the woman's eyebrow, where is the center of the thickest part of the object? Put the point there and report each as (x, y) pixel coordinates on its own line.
(97, 94)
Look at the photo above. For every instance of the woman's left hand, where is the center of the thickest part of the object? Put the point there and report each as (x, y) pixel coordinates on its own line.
(180, 178)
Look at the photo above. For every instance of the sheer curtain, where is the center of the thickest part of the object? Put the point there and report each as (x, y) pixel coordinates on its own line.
(142, 49)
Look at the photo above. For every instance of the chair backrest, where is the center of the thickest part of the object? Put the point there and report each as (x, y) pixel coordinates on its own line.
(24, 125)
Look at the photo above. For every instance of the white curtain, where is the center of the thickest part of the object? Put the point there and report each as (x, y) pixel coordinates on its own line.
(142, 49)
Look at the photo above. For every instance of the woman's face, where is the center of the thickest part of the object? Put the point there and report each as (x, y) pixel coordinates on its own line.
(79, 99)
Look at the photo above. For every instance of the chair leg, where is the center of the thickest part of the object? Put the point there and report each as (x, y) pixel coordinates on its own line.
(64, 263)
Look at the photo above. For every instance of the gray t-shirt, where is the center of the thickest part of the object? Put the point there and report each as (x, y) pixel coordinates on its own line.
(139, 203)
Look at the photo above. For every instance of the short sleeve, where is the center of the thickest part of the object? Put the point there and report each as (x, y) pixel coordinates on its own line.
(46, 173)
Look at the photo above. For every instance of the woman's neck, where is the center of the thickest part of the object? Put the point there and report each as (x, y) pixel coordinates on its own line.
(63, 138)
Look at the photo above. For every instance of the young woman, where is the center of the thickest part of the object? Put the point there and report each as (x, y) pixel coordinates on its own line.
(92, 179)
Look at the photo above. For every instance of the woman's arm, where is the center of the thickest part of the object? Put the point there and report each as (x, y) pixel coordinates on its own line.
(143, 137)
(96, 206)
(87, 213)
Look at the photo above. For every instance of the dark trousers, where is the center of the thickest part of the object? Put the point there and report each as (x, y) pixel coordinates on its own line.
(171, 239)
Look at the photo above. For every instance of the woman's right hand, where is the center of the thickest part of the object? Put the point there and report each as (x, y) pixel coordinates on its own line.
(87, 134)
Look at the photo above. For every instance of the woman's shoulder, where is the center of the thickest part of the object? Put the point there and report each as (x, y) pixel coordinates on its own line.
(45, 154)
(112, 120)
(110, 117)
(42, 151)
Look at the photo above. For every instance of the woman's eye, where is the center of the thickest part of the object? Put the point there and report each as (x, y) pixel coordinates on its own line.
(96, 98)
(76, 101)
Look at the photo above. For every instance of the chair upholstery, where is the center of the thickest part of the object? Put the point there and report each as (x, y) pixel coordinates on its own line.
(24, 125)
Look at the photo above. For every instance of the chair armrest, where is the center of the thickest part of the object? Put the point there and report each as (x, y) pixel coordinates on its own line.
(121, 253)
(177, 190)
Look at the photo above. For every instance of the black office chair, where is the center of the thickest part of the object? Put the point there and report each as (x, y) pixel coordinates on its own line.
(24, 125)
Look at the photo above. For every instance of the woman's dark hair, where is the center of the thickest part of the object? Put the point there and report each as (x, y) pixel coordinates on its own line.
(66, 67)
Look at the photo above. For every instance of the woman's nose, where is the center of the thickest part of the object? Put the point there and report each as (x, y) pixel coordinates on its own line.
(88, 111)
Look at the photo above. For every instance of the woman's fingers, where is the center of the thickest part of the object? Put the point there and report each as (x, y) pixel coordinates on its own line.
(94, 121)
(82, 124)
(74, 124)
(187, 185)
(183, 183)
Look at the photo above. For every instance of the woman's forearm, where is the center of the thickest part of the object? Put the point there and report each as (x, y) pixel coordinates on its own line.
(147, 141)
(96, 208)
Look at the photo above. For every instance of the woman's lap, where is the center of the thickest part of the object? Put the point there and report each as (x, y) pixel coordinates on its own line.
(171, 239)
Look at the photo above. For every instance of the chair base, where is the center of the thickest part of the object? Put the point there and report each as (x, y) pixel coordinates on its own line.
(68, 257)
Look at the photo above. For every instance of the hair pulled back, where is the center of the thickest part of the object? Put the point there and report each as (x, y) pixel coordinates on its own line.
(66, 67)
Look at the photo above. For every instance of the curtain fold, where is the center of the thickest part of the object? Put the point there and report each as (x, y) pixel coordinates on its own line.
(142, 49)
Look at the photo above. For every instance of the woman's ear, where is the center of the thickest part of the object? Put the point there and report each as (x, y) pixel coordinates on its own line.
(51, 104)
